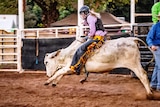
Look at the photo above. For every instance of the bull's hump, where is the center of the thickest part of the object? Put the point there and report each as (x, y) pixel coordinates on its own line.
(126, 44)
(123, 42)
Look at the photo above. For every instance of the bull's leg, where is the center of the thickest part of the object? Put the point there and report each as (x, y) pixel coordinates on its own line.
(142, 75)
(54, 82)
(57, 76)
(84, 79)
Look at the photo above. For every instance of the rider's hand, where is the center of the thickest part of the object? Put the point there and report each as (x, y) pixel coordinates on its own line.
(154, 48)
(90, 37)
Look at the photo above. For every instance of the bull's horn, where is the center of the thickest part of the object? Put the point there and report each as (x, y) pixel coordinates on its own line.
(53, 54)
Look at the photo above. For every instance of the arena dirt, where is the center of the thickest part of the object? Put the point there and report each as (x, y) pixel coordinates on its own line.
(101, 90)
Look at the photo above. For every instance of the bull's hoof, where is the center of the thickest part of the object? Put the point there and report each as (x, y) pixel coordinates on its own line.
(154, 96)
(46, 83)
(150, 97)
(53, 85)
(82, 81)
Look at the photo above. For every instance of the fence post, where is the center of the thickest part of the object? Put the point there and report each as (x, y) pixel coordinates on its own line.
(19, 45)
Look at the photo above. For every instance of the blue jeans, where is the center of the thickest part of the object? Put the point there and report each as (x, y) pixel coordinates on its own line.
(155, 80)
(80, 51)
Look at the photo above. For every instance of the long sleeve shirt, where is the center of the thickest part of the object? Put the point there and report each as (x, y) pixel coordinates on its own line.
(155, 11)
(91, 20)
(153, 37)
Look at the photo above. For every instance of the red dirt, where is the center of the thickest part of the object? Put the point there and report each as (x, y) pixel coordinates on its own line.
(101, 90)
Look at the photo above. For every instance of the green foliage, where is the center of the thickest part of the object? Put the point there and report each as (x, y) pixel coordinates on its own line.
(96, 5)
(33, 15)
(64, 11)
(113, 5)
(66, 8)
(121, 8)
(140, 9)
(30, 18)
(36, 8)
(38, 12)
(142, 4)
(101, 5)
(8, 6)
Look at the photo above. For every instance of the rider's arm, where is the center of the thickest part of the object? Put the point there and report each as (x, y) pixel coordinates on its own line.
(92, 28)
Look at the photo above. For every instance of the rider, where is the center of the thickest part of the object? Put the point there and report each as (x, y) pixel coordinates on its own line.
(96, 34)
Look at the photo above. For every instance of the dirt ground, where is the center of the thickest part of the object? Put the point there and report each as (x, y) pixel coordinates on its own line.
(101, 90)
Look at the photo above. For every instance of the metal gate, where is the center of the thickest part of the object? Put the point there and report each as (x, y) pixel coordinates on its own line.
(10, 51)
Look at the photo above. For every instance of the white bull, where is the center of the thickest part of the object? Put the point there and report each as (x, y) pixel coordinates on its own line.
(122, 52)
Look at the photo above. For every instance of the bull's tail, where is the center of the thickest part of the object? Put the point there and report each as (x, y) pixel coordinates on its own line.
(136, 39)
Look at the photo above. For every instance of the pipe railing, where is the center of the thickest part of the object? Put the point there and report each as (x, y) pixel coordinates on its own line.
(57, 32)
(20, 34)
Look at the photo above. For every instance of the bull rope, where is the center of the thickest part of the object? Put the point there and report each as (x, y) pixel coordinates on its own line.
(148, 48)
(146, 67)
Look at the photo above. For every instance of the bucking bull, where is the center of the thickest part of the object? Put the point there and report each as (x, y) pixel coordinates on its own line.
(121, 52)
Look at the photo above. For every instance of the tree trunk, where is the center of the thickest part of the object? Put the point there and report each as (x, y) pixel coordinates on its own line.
(50, 12)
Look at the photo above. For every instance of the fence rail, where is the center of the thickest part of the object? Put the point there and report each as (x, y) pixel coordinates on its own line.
(11, 43)
(57, 32)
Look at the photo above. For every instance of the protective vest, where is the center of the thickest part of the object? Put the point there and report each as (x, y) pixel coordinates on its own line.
(99, 25)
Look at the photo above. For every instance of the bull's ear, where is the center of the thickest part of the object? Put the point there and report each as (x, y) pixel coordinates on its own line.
(53, 54)
(57, 53)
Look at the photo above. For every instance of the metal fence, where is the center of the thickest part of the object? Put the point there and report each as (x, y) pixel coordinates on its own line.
(11, 43)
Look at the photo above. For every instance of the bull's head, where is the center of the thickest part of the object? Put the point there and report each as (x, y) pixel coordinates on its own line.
(50, 62)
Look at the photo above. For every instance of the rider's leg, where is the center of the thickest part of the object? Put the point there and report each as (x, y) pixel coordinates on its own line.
(80, 51)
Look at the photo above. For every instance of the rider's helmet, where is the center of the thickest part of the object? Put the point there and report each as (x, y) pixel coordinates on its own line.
(84, 9)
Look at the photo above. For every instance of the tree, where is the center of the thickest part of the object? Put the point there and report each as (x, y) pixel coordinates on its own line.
(140, 9)
(30, 18)
(50, 10)
(101, 5)
(8, 6)
(119, 8)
